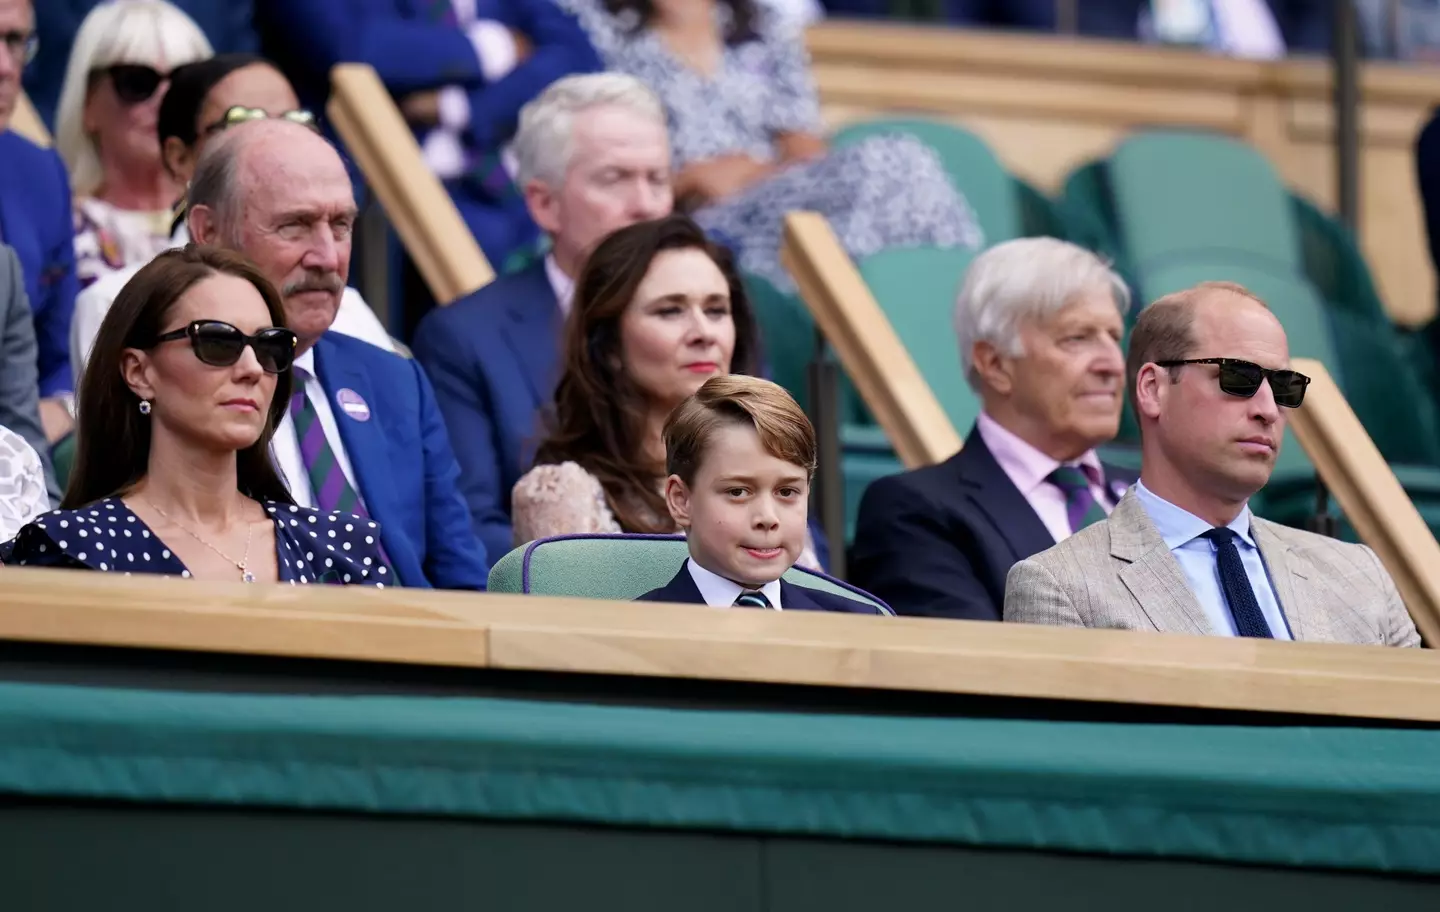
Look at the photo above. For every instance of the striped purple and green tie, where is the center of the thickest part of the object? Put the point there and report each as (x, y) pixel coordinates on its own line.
(327, 480)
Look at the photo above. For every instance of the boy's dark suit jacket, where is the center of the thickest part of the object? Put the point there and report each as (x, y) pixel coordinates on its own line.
(682, 589)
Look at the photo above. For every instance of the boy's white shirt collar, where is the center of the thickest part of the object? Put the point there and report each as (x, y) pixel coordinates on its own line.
(720, 592)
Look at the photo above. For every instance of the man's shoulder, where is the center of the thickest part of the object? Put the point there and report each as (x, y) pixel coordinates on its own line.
(1090, 541)
(829, 601)
(491, 301)
(926, 481)
(1322, 547)
(17, 148)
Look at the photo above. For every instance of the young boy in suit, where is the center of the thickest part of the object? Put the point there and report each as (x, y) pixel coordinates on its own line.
(740, 454)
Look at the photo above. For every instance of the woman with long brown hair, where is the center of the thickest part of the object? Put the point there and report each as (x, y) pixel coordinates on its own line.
(658, 310)
(189, 376)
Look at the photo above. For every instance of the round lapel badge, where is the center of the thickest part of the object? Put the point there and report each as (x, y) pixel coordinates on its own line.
(352, 404)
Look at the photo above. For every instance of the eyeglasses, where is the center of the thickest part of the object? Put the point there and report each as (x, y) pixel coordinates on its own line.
(134, 82)
(221, 345)
(238, 114)
(1243, 379)
(21, 45)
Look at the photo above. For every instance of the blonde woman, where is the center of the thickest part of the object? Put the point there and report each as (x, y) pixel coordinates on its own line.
(119, 71)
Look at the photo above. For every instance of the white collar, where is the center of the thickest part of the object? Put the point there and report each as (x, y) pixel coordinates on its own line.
(720, 592)
(305, 361)
(560, 283)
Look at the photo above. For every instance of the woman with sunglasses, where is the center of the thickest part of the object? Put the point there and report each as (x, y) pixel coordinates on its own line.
(118, 73)
(189, 377)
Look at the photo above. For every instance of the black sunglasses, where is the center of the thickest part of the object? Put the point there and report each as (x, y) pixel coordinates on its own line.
(220, 344)
(1243, 379)
(134, 82)
(238, 114)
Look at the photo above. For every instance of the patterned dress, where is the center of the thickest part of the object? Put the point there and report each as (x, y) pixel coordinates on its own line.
(880, 193)
(310, 546)
(108, 239)
(22, 484)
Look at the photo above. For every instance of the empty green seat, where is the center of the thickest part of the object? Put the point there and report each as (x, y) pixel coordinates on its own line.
(917, 290)
(620, 567)
(1179, 194)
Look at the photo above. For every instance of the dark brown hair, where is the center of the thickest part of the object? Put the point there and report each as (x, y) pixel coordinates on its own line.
(777, 418)
(598, 416)
(1165, 331)
(112, 438)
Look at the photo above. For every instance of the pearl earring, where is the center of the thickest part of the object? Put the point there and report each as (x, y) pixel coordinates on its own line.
(144, 406)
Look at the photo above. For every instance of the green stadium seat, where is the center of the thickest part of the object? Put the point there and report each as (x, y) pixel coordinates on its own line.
(621, 567)
(62, 457)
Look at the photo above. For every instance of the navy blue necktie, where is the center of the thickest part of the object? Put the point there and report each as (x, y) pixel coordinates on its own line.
(1249, 621)
(752, 598)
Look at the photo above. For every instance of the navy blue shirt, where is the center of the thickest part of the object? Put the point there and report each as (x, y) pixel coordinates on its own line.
(311, 546)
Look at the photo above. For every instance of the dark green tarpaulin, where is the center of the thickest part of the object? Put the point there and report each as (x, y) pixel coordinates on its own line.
(1308, 797)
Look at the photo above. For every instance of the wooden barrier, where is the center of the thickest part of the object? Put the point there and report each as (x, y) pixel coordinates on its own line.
(423, 214)
(26, 121)
(1370, 495)
(531, 633)
(1048, 104)
(873, 356)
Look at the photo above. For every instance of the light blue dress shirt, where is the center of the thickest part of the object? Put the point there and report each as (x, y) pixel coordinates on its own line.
(1181, 531)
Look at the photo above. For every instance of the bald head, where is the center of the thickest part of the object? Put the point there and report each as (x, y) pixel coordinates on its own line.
(279, 193)
(1166, 330)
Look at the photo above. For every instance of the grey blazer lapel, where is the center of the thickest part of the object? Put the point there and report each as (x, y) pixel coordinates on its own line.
(1302, 603)
(1153, 576)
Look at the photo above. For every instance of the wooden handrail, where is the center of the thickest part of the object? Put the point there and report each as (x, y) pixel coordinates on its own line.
(531, 633)
(1370, 495)
(872, 354)
(26, 121)
(423, 214)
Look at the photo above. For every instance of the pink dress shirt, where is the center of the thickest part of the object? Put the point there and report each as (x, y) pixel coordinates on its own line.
(1027, 468)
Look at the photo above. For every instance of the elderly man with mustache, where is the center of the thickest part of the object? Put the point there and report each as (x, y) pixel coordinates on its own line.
(363, 434)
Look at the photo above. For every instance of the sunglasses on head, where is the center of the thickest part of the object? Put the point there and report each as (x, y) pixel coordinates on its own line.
(221, 345)
(238, 114)
(1243, 379)
(134, 82)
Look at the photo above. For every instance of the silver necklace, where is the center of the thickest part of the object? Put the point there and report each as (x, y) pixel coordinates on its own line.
(242, 564)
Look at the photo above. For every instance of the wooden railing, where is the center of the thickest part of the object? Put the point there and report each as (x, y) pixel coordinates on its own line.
(1048, 104)
(27, 122)
(1370, 495)
(866, 343)
(531, 633)
(429, 225)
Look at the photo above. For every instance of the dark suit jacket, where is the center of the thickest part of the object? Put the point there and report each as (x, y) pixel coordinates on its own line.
(403, 464)
(939, 541)
(682, 589)
(493, 359)
(36, 220)
(411, 51)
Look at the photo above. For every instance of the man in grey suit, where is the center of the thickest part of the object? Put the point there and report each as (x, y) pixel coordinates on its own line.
(1208, 372)
(19, 376)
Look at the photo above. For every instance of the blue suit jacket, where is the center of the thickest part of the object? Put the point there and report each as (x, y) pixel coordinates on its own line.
(37, 222)
(939, 541)
(411, 51)
(403, 463)
(227, 23)
(682, 589)
(493, 357)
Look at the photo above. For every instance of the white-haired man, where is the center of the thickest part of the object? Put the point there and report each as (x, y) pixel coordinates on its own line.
(593, 156)
(1040, 323)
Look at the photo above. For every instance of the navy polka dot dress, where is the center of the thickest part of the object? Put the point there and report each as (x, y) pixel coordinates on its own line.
(310, 546)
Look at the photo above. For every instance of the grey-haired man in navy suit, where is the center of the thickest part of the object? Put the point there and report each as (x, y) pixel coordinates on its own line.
(1040, 322)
